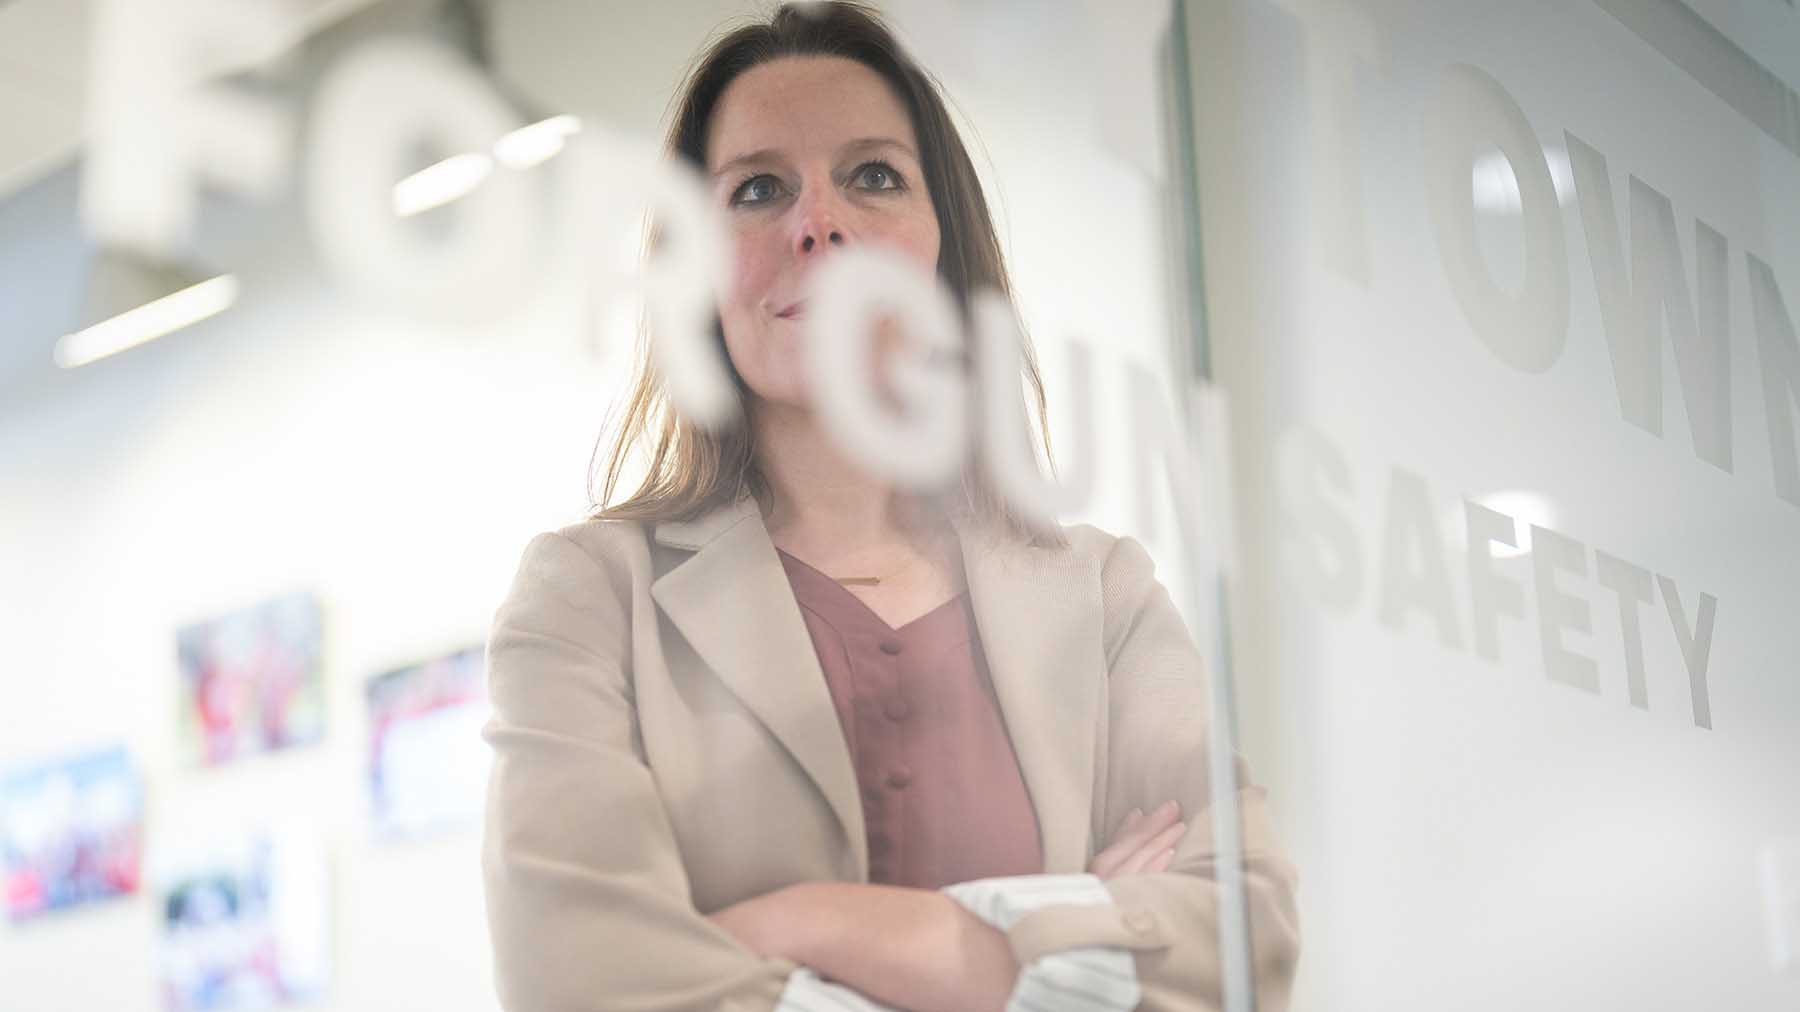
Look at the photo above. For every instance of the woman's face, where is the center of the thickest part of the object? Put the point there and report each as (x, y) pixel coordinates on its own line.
(807, 155)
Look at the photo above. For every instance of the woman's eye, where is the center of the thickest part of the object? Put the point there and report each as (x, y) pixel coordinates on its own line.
(755, 190)
(878, 176)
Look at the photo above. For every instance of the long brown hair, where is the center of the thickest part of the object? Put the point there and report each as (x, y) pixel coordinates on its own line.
(692, 469)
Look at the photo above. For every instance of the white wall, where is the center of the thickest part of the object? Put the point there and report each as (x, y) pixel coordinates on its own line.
(297, 442)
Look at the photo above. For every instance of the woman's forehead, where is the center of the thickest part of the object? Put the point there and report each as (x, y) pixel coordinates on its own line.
(812, 105)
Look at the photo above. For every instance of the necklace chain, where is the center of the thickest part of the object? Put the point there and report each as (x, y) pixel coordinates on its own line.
(872, 581)
(875, 581)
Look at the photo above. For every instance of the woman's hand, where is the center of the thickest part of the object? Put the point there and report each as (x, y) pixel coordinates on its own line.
(1142, 844)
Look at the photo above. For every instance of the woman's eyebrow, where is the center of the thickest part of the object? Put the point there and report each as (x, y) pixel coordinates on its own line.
(774, 154)
(863, 143)
(764, 155)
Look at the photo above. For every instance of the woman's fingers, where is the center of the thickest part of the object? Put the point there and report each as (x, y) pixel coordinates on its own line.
(1139, 838)
(1131, 834)
(1139, 861)
(1135, 830)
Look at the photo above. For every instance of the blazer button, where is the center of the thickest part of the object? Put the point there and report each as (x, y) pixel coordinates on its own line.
(899, 777)
(896, 709)
(890, 647)
(1140, 922)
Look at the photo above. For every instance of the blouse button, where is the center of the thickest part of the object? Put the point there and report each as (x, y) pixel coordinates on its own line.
(896, 709)
(890, 647)
(899, 777)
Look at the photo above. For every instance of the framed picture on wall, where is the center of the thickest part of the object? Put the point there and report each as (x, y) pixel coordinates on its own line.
(244, 918)
(71, 832)
(251, 680)
(427, 763)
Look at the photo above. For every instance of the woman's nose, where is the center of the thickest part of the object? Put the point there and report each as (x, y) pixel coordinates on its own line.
(820, 226)
(811, 238)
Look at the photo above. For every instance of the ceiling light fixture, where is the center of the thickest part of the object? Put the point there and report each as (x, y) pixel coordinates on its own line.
(134, 301)
(440, 183)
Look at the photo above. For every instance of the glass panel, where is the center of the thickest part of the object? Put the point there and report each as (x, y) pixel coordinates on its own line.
(1504, 295)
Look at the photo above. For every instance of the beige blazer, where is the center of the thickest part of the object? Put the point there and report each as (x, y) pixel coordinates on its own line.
(665, 746)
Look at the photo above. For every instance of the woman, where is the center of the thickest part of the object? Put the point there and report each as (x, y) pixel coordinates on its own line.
(771, 734)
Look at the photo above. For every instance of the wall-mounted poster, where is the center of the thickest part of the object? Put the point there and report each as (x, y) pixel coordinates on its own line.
(251, 680)
(244, 919)
(71, 832)
(427, 763)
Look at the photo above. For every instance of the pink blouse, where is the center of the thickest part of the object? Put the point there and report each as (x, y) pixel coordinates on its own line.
(943, 799)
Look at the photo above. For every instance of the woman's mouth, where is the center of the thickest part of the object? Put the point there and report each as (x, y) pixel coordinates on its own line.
(793, 312)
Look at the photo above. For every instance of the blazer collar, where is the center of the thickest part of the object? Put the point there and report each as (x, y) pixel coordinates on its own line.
(1038, 617)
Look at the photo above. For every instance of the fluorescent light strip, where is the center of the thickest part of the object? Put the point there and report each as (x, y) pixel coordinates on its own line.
(436, 185)
(458, 176)
(147, 322)
(536, 143)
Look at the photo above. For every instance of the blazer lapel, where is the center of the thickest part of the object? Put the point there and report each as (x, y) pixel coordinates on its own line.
(1038, 614)
(1038, 619)
(733, 603)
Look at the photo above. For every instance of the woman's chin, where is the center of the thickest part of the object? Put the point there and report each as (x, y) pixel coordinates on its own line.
(789, 397)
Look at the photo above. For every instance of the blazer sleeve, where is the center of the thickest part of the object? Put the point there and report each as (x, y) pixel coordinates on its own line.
(588, 901)
(1157, 749)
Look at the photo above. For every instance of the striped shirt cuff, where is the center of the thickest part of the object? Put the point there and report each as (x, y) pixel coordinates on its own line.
(806, 991)
(1085, 979)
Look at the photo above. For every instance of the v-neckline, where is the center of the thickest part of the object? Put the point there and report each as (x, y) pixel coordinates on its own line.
(864, 605)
